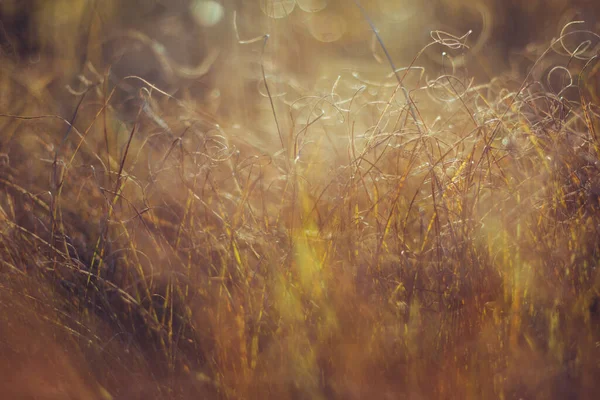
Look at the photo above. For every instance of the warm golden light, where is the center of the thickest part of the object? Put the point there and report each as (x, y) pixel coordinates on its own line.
(317, 199)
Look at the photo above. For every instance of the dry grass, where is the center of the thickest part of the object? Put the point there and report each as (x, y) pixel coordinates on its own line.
(303, 238)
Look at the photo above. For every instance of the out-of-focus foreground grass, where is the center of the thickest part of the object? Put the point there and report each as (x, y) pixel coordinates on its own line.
(188, 210)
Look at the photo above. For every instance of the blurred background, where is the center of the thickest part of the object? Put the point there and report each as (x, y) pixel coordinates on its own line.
(190, 47)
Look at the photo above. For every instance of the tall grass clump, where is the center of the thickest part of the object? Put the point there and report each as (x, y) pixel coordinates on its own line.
(252, 219)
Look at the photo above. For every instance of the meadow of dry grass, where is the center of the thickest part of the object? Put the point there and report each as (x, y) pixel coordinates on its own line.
(213, 214)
